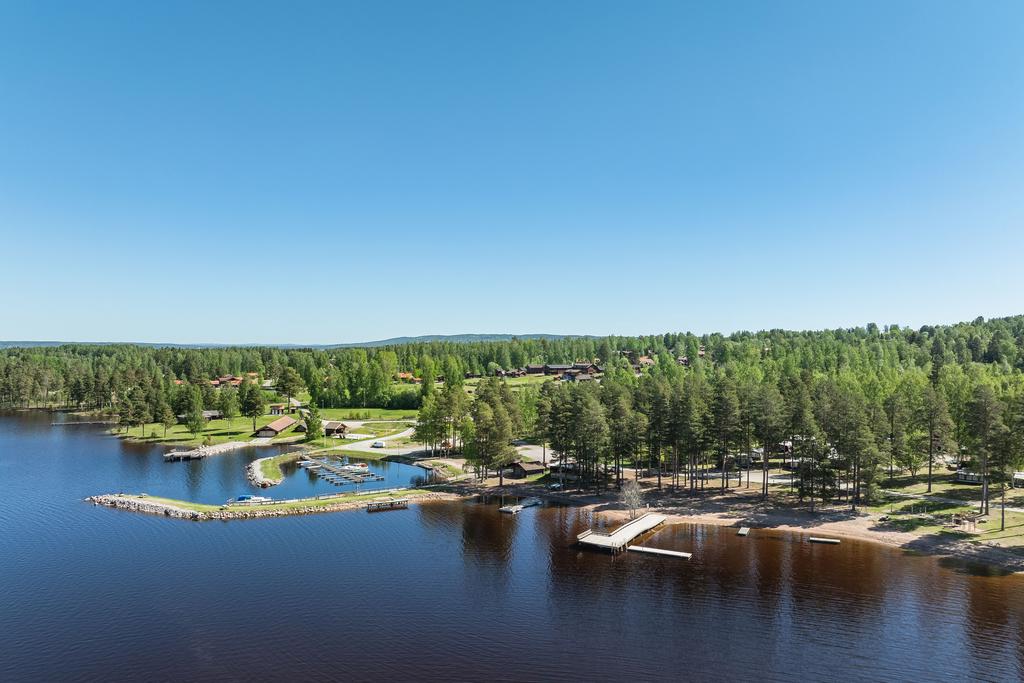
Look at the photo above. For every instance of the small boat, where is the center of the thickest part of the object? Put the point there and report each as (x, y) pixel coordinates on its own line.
(511, 509)
(248, 498)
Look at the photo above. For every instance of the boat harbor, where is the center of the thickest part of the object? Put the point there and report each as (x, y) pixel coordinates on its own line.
(620, 538)
(337, 474)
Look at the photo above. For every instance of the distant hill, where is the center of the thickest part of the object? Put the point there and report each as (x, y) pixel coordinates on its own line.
(394, 341)
(455, 339)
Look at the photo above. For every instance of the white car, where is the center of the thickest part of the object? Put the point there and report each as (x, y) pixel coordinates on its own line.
(377, 444)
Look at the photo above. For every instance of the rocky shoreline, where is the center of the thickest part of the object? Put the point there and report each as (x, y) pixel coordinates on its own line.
(153, 507)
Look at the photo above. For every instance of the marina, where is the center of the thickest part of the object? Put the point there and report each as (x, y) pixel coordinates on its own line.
(340, 475)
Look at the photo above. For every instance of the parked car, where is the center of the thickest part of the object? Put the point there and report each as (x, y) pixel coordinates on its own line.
(555, 487)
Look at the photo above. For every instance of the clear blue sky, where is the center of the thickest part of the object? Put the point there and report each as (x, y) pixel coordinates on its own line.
(329, 172)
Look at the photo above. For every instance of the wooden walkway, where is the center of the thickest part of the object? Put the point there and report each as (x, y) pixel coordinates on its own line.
(618, 539)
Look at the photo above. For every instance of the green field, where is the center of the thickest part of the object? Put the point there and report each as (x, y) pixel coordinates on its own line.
(367, 414)
(217, 431)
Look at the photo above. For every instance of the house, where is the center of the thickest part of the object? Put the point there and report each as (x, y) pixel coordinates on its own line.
(335, 428)
(276, 427)
(556, 369)
(526, 468)
(267, 385)
(472, 375)
(534, 369)
(684, 361)
(404, 377)
(207, 415)
(293, 405)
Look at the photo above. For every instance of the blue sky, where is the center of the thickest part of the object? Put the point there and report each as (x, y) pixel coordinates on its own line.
(331, 172)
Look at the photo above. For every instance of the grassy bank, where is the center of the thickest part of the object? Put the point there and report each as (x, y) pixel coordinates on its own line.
(278, 507)
(215, 432)
(270, 468)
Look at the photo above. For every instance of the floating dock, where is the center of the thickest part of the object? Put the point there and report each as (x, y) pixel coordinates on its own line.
(659, 551)
(339, 475)
(819, 539)
(617, 540)
(393, 504)
(744, 530)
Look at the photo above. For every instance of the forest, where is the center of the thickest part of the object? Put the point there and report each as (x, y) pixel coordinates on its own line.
(846, 406)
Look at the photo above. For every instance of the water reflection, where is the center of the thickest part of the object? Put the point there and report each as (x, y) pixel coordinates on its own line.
(447, 590)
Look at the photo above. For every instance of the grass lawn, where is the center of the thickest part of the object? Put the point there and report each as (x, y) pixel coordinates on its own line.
(218, 431)
(513, 382)
(367, 414)
(271, 467)
(378, 428)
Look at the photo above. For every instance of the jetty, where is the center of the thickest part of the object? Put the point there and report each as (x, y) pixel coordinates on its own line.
(819, 539)
(205, 451)
(618, 539)
(392, 504)
(659, 551)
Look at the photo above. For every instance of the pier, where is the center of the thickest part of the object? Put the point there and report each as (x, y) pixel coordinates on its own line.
(819, 539)
(393, 504)
(617, 540)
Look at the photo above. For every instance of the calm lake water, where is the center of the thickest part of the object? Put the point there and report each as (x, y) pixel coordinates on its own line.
(452, 591)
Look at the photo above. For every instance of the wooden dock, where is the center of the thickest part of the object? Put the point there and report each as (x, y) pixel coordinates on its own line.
(338, 475)
(744, 530)
(819, 539)
(618, 539)
(392, 504)
(659, 551)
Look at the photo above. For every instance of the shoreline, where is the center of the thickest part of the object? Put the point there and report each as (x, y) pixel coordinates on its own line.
(840, 525)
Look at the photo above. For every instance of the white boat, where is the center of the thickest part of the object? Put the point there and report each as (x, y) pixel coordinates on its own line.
(512, 509)
(248, 498)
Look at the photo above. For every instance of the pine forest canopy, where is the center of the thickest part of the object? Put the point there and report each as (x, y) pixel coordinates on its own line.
(851, 404)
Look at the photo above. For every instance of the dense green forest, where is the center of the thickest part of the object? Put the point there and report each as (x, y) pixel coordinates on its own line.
(851, 405)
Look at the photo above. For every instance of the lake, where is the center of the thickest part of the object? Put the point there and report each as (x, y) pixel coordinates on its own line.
(445, 590)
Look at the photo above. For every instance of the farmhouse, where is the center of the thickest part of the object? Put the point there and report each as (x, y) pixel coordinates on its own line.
(275, 427)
